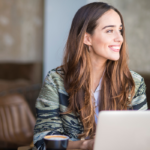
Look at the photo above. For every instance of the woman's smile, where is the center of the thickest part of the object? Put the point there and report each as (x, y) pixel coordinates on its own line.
(115, 48)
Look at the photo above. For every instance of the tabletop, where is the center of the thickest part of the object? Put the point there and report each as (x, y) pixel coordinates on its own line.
(24, 148)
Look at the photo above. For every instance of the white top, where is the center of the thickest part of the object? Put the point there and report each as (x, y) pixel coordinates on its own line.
(96, 97)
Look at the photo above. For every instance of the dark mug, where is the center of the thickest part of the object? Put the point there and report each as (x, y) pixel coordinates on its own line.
(56, 142)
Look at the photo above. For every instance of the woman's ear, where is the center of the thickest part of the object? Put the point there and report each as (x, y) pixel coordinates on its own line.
(87, 39)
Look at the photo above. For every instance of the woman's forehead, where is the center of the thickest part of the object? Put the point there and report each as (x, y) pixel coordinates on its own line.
(110, 17)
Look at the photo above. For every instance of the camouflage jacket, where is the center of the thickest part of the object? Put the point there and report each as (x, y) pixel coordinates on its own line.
(53, 99)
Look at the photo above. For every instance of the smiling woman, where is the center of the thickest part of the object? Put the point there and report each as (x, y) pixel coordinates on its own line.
(94, 76)
(106, 40)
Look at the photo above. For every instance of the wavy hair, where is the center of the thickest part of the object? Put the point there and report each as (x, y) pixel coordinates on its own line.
(117, 83)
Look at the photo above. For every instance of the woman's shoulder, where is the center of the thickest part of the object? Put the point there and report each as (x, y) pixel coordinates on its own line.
(137, 77)
(56, 73)
(55, 78)
(138, 80)
(139, 101)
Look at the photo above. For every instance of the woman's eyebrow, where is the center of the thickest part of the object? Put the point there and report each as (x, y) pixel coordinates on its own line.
(110, 26)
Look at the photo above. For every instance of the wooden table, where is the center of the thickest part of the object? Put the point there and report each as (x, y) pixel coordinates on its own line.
(24, 148)
(28, 147)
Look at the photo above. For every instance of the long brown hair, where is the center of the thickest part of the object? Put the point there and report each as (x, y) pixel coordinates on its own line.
(117, 83)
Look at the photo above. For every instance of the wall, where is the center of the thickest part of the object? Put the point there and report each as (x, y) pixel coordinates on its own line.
(57, 22)
(21, 31)
(21, 39)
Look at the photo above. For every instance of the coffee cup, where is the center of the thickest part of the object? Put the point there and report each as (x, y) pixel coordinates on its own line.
(56, 142)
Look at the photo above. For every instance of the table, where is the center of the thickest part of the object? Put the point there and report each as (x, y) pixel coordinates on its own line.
(24, 148)
(28, 147)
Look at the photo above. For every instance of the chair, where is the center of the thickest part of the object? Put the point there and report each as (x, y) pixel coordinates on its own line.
(16, 121)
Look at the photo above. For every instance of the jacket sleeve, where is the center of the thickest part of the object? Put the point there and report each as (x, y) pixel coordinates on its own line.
(139, 101)
(47, 110)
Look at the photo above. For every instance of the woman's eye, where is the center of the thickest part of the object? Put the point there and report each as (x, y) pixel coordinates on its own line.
(109, 31)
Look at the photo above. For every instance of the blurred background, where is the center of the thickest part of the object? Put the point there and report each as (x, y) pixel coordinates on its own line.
(33, 34)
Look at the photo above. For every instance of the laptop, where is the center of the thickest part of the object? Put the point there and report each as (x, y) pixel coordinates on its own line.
(123, 130)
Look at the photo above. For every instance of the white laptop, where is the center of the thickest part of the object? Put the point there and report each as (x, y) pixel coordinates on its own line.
(123, 130)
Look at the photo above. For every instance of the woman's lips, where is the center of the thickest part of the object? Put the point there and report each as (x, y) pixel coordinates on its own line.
(115, 48)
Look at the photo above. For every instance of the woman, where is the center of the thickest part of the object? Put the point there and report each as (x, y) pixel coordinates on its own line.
(94, 76)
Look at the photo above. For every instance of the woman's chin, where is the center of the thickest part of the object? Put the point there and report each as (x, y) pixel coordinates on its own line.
(115, 58)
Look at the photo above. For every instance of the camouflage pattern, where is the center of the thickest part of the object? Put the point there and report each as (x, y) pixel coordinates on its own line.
(53, 99)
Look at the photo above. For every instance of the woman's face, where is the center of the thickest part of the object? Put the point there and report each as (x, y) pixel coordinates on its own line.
(106, 39)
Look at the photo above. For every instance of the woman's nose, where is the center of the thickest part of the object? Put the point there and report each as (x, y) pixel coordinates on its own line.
(118, 37)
